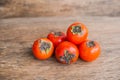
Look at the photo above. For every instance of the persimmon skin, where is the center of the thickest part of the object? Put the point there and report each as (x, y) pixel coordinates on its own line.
(77, 38)
(87, 53)
(37, 51)
(73, 50)
(56, 39)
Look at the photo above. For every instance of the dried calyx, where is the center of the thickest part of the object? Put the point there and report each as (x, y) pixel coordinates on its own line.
(76, 30)
(67, 57)
(90, 44)
(44, 46)
(58, 33)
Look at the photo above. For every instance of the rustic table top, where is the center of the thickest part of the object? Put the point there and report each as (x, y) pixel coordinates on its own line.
(17, 62)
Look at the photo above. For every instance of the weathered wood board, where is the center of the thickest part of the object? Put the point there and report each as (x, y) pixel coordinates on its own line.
(17, 62)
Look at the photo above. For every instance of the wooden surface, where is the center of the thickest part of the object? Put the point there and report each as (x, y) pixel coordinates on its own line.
(17, 62)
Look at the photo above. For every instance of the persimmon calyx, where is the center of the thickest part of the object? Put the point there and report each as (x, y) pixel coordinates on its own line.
(45, 46)
(57, 33)
(77, 30)
(90, 43)
(67, 57)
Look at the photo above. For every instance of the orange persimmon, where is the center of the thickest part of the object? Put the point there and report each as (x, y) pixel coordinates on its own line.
(77, 33)
(43, 48)
(89, 50)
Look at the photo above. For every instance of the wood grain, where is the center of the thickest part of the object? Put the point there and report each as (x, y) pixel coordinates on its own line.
(17, 62)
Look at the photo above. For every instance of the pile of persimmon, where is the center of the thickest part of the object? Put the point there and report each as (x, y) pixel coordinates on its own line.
(67, 47)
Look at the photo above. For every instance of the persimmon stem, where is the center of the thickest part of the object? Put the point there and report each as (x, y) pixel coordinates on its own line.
(76, 30)
(58, 33)
(44, 46)
(90, 43)
(67, 57)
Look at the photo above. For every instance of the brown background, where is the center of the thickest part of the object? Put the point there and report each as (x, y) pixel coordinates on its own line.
(28, 8)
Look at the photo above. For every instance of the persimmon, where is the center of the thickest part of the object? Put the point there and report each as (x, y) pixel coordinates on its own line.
(77, 33)
(89, 50)
(66, 52)
(56, 37)
(43, 48)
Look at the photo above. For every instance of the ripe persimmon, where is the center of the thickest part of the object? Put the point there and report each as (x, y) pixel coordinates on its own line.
(77, 33)
(66, 52)
(56, 37)
(43, 48)
(89, 50)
